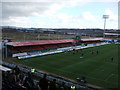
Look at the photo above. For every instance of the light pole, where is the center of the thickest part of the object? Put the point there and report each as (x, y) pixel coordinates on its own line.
(105, 17)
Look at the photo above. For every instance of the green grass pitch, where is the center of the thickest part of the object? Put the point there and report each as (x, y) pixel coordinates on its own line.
(98, 69)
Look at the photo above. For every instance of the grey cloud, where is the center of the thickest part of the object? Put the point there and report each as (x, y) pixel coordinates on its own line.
(23, 9)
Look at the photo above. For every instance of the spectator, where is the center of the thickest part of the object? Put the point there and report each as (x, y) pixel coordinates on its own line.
(11, 77)
(53, 85)
(43, 83)
(26, 83)
(21, 76)
(62, 87)
(16, 71)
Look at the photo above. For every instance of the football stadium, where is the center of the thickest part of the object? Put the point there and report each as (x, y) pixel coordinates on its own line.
(89, 64)
(59, 45)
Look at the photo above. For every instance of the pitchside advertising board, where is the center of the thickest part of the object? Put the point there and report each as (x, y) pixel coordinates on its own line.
(19, 54)
(41, 54)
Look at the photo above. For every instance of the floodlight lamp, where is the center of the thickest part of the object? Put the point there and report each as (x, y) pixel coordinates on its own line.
(105, 16)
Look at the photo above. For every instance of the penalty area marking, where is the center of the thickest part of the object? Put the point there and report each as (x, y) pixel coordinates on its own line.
(109, 76)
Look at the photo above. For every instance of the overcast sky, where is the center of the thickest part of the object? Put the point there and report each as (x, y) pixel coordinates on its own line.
(60, 13)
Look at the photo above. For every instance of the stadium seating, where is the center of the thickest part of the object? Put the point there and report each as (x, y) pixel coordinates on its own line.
(25, 81)
(64, 45)
(19, 47)
(50, 46)
(23, 49)
(30, 48)
(21, 78)
(12, 49)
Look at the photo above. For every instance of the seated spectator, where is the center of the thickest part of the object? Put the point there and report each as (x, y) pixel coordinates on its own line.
(53, 85)
(26, 83)
(16, 71)
(62, 87)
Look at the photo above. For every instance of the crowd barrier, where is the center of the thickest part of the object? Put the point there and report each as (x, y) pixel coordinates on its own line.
(2, 68)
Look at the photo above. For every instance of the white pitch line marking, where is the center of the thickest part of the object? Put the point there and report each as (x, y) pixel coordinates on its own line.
(109, 77)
